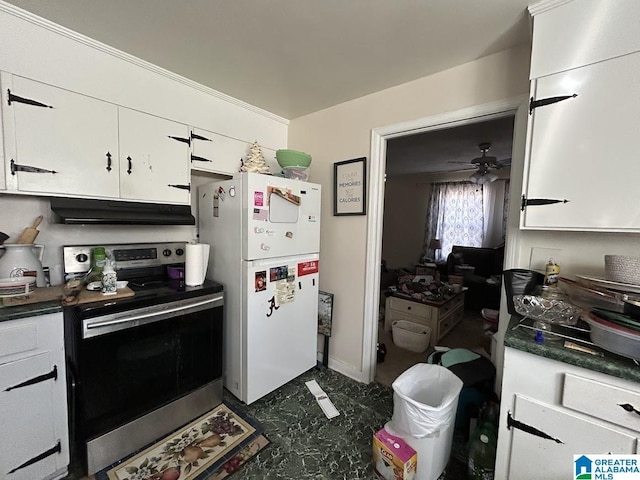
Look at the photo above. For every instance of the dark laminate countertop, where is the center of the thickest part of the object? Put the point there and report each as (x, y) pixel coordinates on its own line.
(604, 362)
(30, 310)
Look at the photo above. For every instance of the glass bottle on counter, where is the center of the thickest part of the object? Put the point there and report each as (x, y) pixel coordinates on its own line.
(109, 278)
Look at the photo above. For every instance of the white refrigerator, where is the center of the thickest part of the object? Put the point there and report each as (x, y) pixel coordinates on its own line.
(264, 233)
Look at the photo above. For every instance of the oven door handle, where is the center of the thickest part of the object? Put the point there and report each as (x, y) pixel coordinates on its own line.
(148, 317)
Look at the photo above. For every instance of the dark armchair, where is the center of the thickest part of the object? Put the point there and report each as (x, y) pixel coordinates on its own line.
(484, 282)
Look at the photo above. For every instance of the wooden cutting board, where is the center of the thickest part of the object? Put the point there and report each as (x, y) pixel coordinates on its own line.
(87, 296)
(40, 294)
(55, 293)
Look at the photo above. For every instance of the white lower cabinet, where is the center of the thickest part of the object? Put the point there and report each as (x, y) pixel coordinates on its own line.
(551, 411)
(534, 456)
(33, 407)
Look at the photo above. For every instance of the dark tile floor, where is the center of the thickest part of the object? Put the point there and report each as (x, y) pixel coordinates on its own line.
(306, 445)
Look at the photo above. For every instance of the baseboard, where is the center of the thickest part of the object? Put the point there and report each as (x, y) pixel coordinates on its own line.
(347, 370)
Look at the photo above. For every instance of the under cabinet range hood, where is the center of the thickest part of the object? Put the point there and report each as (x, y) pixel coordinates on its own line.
(110, 212)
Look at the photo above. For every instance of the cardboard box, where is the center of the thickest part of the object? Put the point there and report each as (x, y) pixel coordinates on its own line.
(393, 459)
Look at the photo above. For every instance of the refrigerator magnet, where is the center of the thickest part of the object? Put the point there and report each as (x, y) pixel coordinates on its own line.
(258, 199)
(278, 273)
(261, 281)
(260, 214)
(307, 268)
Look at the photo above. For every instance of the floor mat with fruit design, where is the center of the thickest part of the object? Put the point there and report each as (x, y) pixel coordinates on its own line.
(209, 448)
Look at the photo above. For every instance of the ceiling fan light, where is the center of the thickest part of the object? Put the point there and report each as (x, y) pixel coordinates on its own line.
(482, 178)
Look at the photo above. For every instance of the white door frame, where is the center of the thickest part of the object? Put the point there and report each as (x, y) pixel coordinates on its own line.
(379, 137)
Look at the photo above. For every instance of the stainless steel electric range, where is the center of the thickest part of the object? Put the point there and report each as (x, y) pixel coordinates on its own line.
(140, 367)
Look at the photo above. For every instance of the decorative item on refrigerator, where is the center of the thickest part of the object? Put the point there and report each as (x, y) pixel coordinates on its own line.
(196, 261)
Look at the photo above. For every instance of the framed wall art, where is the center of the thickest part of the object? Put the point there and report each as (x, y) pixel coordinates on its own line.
(325, 313)
(350, 187)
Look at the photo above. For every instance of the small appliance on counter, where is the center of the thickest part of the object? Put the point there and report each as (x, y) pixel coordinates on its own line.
(21, 260)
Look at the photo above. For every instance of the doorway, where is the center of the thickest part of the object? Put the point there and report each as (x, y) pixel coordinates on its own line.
(450, 158)
(380, 136)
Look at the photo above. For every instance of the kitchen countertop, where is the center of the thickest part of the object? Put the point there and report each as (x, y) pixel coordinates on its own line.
(604, 362)
(29, 310)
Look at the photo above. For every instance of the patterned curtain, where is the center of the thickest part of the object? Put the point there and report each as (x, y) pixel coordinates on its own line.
(454, 216)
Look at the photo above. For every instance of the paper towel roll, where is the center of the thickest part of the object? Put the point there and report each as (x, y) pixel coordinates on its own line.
(196, 261)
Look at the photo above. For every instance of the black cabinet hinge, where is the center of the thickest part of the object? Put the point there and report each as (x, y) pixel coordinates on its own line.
(195, 158)
(16, 167)
(195, 136)
(181, 139)
(513, 423)
(57, 448)
(547, 101)
(53, 374)
(15, 98)
(181, 187)
(538, 201)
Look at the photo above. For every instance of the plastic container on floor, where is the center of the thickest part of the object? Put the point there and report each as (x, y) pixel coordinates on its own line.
(411, 336)
(425, 400)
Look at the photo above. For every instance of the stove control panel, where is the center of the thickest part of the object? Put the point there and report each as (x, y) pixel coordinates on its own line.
(77, 258)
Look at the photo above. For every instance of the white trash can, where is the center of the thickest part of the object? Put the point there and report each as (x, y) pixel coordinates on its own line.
(411, 336)
(425, 400)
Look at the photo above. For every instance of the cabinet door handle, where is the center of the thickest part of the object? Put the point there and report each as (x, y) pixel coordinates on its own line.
(195, 158)
(195, 136)
(512, 422)
(15, 98)
(16, 167)
(129, 165)
(629, 408)
(181, 187)
(548, 101)
(57, 448)
(539, 201)
(32, 381)
(181, 139)
(108, 162)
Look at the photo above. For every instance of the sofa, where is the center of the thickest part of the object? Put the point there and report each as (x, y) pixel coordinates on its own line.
(484, 281)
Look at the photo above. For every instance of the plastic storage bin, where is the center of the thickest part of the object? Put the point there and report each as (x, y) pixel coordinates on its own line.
(411, 336)
(425, 400)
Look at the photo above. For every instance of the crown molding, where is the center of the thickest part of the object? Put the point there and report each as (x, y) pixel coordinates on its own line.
(545, 5)
(78, 37)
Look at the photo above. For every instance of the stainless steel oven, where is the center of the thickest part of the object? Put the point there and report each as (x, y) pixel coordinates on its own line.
(141, 366)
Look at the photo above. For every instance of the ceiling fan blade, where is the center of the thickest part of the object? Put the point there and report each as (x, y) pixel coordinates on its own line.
(462, 163)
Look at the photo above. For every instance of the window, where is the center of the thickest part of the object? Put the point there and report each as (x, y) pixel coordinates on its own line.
(463, 213)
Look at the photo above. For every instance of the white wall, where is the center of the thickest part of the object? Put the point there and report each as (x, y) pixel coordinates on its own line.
(405, 211)
(406, 201)
(344, 132)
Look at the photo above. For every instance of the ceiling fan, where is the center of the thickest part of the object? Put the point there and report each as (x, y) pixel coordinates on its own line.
(484, 165)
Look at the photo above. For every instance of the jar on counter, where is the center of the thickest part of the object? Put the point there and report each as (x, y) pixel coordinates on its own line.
(109, 279)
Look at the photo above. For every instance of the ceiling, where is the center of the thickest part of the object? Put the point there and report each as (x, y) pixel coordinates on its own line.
(294, 57)
(434, 151)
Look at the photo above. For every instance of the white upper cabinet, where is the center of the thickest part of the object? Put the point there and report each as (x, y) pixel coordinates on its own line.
(584, 149)
(216, 153)
(153, 158)
(581, 163)
(57, 141)
(577, 33)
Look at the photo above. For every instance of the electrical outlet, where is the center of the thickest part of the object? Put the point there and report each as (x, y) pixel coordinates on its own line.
(540, 257)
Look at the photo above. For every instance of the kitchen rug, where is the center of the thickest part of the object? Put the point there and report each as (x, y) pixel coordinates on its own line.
(209, 448)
